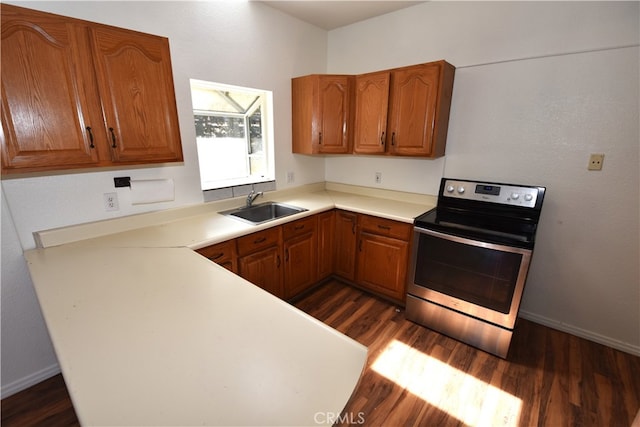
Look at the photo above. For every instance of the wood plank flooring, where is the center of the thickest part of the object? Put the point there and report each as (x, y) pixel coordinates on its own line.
(550, 378)
(417, 377)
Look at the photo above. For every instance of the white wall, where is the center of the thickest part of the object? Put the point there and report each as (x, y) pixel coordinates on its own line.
(238, 43)
(539, 86)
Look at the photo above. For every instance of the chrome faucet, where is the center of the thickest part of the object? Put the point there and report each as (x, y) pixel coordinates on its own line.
(252, 196)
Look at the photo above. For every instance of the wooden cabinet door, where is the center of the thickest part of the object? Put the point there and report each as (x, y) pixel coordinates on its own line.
(334, 105)
(345, 245)
(371, 104)
(321, 114)
(48, 93)
(138, 99)
(262, 268)
(326, 239)
(382, 264)
(304, 111)
(300, 269)
(300, 253)
(414, 95)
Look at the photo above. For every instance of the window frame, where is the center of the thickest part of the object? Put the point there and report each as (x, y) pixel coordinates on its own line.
(265, 103)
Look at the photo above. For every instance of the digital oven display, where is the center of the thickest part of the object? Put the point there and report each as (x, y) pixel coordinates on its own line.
(491, 190)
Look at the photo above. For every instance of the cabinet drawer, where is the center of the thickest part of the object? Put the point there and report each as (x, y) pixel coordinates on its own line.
(260, 240)
(301, 226)
(219, 252)
(386, 227)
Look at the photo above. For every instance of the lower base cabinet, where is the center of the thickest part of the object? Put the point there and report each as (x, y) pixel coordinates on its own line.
(262, 268)
(326, 246)
(369, 252)
(300, 253)
(260, 259)
(345, 245)
(372, 253)
(382, 265)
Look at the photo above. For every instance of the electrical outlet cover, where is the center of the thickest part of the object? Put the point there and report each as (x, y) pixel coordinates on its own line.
(111, 202)
(595, 162)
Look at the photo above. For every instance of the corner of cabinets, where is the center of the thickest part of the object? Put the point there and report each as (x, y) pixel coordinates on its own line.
(287, 260)
(399, 112)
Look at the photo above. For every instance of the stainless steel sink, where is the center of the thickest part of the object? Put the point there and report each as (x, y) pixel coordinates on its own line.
(269, 211)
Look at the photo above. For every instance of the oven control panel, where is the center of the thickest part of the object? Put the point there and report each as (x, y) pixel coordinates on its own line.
(491, 192)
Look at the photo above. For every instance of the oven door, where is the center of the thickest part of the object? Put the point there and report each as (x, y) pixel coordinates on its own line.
(476, 278)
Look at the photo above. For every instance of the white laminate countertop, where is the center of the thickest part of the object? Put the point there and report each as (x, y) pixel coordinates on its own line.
(162, 336)
(148, 332)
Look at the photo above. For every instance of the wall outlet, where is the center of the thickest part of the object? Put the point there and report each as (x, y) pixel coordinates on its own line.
(111, 202)
(595, 162)
(378, 178)
(290, 177)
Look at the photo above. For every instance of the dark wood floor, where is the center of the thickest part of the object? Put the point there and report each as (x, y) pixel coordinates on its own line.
(417, 377)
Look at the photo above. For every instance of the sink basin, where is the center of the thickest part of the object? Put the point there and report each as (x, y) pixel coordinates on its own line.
(269, 211)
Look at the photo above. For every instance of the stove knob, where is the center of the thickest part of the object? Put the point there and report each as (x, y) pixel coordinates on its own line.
(528, 197)
(515, 196)
(461, 189)
(450, 189)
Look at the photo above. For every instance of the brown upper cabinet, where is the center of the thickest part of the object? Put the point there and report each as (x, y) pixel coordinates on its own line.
(321, 114)
(402, 112)
(372, 99)
(76, 94)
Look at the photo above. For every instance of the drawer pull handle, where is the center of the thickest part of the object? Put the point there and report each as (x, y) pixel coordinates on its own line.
(320, 138)
(382, 139)
(278, 261)
(353, 228)
(90, 137)
(260, 240)
(216, 256)
(393, 138)
(360, 247)
(286, 255)
(113, 138)
(298, 227)
(384, 227)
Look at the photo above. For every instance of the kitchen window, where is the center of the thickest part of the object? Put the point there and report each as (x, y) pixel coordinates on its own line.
(234, 134)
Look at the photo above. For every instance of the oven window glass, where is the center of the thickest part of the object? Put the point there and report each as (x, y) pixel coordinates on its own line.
(482, 276)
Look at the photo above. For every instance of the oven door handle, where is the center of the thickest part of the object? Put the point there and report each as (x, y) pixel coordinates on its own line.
(466, 241)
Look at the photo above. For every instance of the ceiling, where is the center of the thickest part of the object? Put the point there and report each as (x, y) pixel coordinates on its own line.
(333, 14)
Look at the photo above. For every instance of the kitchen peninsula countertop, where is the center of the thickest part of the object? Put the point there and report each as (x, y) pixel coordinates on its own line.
(148, 332)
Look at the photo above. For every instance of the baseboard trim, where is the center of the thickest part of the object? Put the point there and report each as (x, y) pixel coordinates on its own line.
(29, 380)
(582, 333)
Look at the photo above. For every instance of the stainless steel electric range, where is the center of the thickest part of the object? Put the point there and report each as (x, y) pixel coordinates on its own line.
(470, 260)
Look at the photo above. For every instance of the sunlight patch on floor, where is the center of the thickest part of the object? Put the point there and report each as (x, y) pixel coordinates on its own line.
(461, 395)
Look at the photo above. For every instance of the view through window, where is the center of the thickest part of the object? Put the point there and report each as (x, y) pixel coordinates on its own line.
(234, 134)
